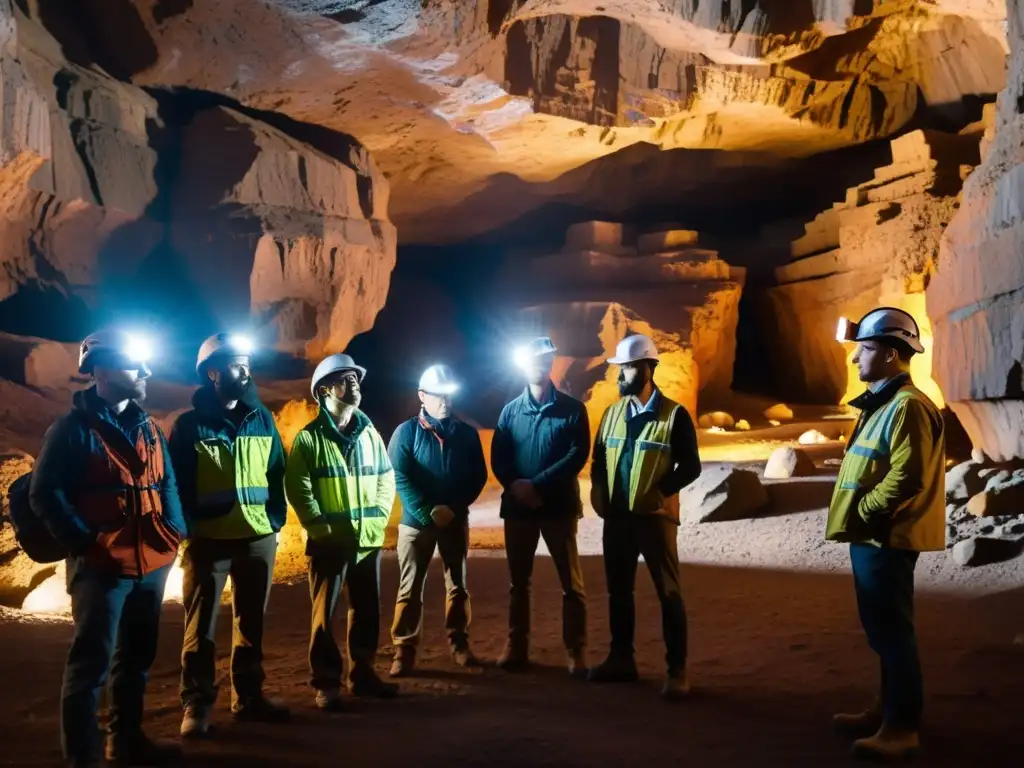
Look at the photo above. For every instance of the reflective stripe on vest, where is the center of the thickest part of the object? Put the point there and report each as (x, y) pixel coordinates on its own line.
(232, 480)
(652, 457)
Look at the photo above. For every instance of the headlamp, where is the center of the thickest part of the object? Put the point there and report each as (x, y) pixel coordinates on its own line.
(443, 390)
(847, 330)
(243, 345)
(137, 349)
(521, 357)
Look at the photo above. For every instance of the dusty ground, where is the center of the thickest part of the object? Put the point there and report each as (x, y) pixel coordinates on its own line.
(773, 653)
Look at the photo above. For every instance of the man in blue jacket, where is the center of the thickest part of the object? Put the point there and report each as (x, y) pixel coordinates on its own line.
(540, 446)
(105, 489)
(439, 471)
(230, 464)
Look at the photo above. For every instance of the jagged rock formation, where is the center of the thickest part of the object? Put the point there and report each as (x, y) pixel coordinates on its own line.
(607, 282)
(148, 200)
(878, 247)
(976, 299)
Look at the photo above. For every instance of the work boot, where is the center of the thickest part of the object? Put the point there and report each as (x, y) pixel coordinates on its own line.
(368, 684)
(578, 665)
(514, 658)
(404, 661)
(329, 700)
(888, 744)
(860, 724)
(615, 669)
(139, 751)
(196, 722)
(464, 657)
(677, 685)
(260, 709)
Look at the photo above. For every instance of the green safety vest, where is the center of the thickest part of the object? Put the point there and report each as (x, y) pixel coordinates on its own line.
(346, 485)
(652, 455)
(236, 474)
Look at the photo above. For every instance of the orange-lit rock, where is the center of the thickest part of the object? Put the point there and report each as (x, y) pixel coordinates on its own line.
(877, 248)
(19, 575)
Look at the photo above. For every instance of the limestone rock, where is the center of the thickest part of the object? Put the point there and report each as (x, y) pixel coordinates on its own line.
(982, 550)
(743, 425)
(601, 236)
(813, 437)
(723, 492)
(670, 240)
(36, 362)
(787, 462)
(778, 412)
(19, 575)
(1002, 496)
(716, 419)
(963, 481)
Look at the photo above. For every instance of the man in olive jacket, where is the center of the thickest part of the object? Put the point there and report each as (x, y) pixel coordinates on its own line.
(539, 448)
(889, 504)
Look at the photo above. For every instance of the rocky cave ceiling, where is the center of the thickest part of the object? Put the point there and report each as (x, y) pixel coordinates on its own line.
(480, 112)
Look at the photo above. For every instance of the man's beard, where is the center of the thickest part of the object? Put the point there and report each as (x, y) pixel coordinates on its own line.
(352, 397)
(134, 391)
(235, 389)
(631, 388)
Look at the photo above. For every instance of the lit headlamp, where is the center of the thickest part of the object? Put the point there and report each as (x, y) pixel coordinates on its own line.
(243, 345)
(137, 349)
(847, 330)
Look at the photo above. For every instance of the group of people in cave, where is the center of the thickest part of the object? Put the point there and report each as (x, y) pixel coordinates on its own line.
(120, 500)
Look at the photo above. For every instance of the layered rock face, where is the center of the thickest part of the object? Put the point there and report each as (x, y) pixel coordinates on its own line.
(607, 283)
(153, 201)
(879, 247)
(976, 299)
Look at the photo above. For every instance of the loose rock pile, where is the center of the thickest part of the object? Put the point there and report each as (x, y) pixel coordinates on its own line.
(985, 511)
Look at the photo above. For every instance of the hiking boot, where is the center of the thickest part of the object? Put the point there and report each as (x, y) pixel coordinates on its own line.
(514, 658)
(368, 684)
(888, 744)
(404, 661)
(860, 724)
(329, 700)
(463, 657)
(677, 685)
(578, 665)
(615, 669)
(140, 751)
(260, 709)
(196, 722)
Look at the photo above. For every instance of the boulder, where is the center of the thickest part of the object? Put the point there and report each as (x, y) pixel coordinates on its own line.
(37, 363)
(963, 481)
(788, 462)
(778, 412)
(743, 425)
(19, 575)
(812, 437)
(982, 550)
(716, 419)
(669, 240)
(723, 492)
(603, 236)
(1002, 496)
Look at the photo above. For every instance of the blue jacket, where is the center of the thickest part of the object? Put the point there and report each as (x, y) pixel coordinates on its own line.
(70, 446)
(547, 444)
(436, 464)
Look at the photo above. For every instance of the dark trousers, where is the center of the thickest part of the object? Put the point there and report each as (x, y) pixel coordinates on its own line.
(626, 537)
(521, 539)
(329, 569)
(884, 582)
(415, 550)
(207, 563)
(117, 621)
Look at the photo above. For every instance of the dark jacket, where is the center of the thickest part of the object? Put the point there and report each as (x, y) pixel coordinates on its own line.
(546, 444)
(207, 422)
(436, 463)
(104, 486)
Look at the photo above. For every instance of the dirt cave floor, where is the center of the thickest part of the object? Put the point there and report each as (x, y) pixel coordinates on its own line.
(772, 652)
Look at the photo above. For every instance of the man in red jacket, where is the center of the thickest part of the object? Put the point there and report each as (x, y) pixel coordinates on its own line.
(105, 489)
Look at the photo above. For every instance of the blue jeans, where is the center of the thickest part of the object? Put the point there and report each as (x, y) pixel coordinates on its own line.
(884, 582)
(117, 621)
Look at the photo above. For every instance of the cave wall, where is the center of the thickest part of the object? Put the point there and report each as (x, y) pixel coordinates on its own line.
(121, 201)
(976, 298)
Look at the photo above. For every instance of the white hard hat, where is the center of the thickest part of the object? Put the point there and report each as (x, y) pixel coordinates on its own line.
(634, 348)
(881, 324)
(438, 380)
(542, 345)
(223, 344)
(334, 364)
(119, 349)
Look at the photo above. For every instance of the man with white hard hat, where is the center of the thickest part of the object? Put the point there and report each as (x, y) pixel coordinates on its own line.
(645, 452)
(540, 446)
(341, 485)
(440, 471)
(230, 463)
(889, 505)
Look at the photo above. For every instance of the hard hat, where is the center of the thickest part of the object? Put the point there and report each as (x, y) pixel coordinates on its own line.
(542, 345)
(884, 323)
(223, 344)
(634, 348)
(334, 364)
(123, 350)
(438, 380)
